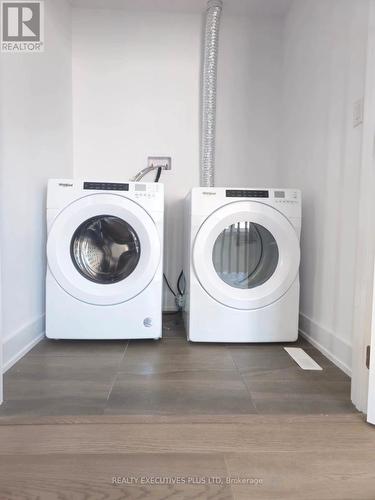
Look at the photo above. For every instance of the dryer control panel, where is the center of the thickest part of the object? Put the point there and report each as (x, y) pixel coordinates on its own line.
(286, 196)
(247, 193)
(275, 195)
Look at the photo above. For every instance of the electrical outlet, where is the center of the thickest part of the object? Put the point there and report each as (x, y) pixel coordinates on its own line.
(358, 113)
(165, 162)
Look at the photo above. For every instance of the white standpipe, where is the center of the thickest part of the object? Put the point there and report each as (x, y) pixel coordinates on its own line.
(208, 104)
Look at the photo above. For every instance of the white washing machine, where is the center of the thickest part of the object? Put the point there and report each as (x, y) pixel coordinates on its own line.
(242, 264)
(104, 253)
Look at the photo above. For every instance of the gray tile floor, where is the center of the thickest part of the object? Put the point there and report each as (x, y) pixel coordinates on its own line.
(170, 377)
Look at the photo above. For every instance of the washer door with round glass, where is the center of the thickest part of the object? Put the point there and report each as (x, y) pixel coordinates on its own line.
(103, 249)
(246, 255)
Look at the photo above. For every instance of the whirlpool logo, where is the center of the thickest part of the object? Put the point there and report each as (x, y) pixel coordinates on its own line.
(22, 26)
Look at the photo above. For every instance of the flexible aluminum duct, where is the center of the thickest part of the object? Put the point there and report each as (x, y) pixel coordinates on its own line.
(208, 107)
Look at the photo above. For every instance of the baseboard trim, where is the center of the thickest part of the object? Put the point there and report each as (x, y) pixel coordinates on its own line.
(327, 343)
(19, 343)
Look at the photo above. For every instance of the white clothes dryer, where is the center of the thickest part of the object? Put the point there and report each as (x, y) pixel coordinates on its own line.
(241, 264)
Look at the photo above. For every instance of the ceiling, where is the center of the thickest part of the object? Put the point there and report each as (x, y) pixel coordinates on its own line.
(244, 7)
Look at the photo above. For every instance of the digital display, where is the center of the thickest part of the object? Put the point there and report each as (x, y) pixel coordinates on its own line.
(279, 194)
(106, 186)
(246, 193)
(140, 187)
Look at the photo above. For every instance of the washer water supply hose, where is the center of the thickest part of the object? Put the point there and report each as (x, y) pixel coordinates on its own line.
(208, 97)
(146, 171)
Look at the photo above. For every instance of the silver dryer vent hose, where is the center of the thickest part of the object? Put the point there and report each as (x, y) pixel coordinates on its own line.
(208, 103)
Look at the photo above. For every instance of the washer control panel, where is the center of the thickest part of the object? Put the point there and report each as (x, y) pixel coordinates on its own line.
(146, 190)
(106, 186)
(134, 189)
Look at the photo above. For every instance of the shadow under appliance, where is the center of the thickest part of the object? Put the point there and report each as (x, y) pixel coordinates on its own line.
(104, 253)
(242, 256)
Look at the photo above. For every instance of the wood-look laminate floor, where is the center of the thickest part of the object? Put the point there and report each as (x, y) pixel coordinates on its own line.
(175, 421)
(321, 457)
(170, 377)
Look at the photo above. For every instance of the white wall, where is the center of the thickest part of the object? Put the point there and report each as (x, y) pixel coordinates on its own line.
(249, 101)
(36, 143)
(324, 68)
(136, 93)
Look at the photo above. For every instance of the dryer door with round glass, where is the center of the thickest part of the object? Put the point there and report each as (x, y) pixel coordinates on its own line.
(246, 255)
(103, 249)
